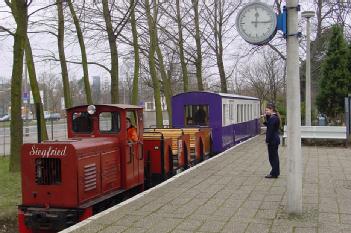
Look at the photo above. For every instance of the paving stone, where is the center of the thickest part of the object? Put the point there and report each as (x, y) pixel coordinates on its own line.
(305, 230)
(270, 205)
(114, 229)
(282, 229)
(230, 194)
(225, 211)
(266, 214)
(135, 230)
(328, 218)
(90, 228)
(234, 227)
(128, 220)
(245, 213)
(212, 226)
(164, 225)
(271, 197)
(257, 228)
(345, 218)
(189, 225)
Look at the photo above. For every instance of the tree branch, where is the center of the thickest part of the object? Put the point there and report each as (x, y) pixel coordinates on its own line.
(43, 8)
(7, 30)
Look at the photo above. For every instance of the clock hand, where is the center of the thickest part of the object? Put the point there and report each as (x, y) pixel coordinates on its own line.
(256, 22)
(256, 16)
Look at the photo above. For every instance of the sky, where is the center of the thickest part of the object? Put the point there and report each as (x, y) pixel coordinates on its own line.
(41, 43)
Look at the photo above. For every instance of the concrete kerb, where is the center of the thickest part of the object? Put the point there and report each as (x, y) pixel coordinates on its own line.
(109, 210)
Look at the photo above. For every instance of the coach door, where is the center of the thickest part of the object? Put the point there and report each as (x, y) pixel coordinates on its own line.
(135, 148)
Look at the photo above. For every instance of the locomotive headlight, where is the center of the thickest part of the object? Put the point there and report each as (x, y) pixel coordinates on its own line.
(91, 109)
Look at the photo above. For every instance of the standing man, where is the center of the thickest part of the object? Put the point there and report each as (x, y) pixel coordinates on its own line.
(272, 139)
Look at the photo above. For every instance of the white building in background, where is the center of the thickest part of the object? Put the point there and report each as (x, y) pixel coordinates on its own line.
(150, 106)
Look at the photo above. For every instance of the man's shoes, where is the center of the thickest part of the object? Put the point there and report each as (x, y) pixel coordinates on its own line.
(270, 176)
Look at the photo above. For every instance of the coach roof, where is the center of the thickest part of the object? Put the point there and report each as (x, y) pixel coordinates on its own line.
(121, 106)
(225, 95)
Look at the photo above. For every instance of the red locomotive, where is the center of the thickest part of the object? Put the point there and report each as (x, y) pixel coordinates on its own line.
(67, 181)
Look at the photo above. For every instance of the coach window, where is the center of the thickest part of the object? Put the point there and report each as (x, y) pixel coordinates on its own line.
(82, 122)
(109, 122)
(245, 113)
(238, 117)
(196, 115)
(250, 112)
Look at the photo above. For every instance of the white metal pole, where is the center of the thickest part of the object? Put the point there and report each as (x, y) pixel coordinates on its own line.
(308, 75)
(26, 99)
(294, 153)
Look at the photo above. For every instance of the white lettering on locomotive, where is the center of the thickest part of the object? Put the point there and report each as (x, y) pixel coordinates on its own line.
(47, 152)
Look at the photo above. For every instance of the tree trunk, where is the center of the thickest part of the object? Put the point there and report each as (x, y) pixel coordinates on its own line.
(319, 18)
(167, 89)
(61, 50)
(135, 92)
(19, 11)
(152, 64)
(84, 54)
(34, 86)
(198, 61)
(219, 44)
(181, 50)
(113, 52)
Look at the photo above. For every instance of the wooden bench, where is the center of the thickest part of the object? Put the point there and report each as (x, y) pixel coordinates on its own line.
(180, 145)
(200, 141)
(320, 132)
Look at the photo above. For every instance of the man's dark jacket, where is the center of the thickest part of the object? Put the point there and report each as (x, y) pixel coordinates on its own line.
(272, 134)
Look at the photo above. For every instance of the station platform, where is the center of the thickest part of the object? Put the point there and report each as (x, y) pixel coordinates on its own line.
(229, 193)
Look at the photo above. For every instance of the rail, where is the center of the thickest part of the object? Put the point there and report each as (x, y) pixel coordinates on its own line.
(320, 132)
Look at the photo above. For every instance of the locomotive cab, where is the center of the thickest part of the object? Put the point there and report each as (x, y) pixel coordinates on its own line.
(66, 181)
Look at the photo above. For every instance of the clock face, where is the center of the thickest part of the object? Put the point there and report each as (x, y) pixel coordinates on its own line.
(256, 23)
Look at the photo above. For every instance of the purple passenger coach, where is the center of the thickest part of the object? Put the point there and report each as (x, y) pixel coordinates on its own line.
(233, 118)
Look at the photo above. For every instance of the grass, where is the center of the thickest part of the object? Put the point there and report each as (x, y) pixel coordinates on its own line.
(10, 196)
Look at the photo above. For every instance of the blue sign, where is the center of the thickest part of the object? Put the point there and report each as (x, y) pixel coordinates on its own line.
(25, 96)
(282, 22)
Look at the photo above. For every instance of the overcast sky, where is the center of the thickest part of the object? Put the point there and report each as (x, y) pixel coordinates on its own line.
(42, 43)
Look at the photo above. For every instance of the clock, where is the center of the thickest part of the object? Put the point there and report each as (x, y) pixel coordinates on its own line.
(256, 23)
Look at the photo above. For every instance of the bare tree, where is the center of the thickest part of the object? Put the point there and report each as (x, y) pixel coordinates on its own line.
(181, 49)
(19, 9)
(34, 86)
(265, 77)
(218, 18)
(198, 60)
(62, 55)
(136, 55)
(152, 64)
(83, 52)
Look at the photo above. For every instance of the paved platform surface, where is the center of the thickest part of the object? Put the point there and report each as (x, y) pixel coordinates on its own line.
(230, 194)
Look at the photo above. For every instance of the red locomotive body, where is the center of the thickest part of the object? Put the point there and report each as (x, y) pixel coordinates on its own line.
(66, 181)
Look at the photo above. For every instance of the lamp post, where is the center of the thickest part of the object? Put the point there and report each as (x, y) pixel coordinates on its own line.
(294, 153)
(308, 15)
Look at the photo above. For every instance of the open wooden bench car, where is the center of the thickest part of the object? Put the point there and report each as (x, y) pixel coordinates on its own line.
(200, 142)
(158, 156)
(180, 146)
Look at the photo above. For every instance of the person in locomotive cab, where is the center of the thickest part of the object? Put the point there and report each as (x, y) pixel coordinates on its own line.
(131, 131)
(200, 116)
(272, 139)
(82, 122)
